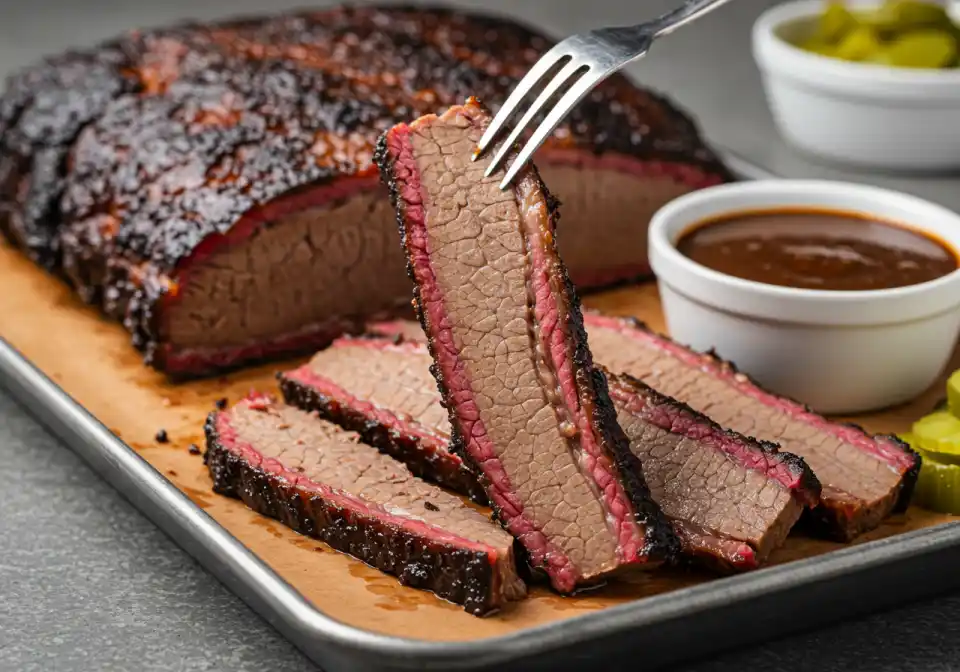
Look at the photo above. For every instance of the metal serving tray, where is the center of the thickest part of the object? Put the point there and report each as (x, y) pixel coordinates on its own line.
(680, 625)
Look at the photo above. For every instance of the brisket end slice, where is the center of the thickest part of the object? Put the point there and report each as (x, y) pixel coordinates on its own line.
(732, 499)
(375, 387)
(321, 481)
(527, 409)
(864, 478)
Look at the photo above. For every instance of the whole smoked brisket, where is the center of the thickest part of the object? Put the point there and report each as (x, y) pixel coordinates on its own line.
(212, 185)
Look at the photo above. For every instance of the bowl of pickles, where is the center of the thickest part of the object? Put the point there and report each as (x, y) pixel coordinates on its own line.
(872, 84)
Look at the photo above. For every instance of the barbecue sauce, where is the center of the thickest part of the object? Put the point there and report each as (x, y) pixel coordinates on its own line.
(817, 249)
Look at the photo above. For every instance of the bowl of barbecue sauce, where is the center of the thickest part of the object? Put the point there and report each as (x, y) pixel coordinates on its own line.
(843, 296)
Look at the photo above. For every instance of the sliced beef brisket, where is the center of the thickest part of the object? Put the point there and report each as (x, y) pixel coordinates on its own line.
(384, 391)
(321, 481)
(212, 185)
(732, 499)
(864, 477)
(529, 413)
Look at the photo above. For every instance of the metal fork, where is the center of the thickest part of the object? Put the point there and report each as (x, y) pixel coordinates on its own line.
(593, 56)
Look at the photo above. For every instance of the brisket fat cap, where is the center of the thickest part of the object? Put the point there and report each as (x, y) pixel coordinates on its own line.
(732, 499)
(527, 409)
(320, 480)
(864, 477)
(154, 170)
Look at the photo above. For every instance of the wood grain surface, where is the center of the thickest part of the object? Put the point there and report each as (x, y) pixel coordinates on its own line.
(92, 360)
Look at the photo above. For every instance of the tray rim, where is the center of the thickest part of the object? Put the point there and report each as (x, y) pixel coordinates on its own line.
(326, 640)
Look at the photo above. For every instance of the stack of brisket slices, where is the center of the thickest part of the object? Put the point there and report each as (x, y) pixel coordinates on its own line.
(213, 186)
(590, 471)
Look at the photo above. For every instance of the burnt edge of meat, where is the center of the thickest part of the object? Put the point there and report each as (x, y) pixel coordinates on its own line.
(43, 110)
(809, 485)
(660, 542)
(820, 520)
(459, 575)
(660, 539)
(399, 445)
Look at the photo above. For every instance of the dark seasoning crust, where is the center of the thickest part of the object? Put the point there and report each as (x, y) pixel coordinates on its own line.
(661, 543)
(818, 520)
(124, 158)
(460, 575)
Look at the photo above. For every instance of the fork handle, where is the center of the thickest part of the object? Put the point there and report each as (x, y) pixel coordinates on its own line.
(687, 12)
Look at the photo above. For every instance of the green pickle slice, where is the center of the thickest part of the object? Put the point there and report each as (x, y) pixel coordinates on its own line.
(835, 22)
(923, 49)
(938, 484)
(860, 44)
(938, 433)
(953, 393)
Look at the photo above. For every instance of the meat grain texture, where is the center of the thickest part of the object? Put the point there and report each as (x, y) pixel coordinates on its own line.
(212, 185)
(527, 409)
(865, 478)
(321, 481)
(383, 390)
(732, 499)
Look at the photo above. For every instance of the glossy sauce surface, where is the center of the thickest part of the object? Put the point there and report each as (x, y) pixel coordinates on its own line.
(817, 249)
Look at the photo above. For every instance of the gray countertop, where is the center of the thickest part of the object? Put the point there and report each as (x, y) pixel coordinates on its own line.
(87, 583)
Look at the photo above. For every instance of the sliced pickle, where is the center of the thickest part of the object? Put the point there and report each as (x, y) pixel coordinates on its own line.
(923, 49)
(938, 433)
(860, 44)
(938, 485)
(953, 393)
(835, 22)
(912, 14)
(818, 46)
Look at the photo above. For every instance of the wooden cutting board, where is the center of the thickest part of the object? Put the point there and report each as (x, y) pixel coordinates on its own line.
(92, 360)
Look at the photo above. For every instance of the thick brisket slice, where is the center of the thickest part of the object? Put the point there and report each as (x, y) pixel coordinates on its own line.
(384, 391)
(732, 499)
(864, 477)
(528, 410)
(321, 481)
(210, 184)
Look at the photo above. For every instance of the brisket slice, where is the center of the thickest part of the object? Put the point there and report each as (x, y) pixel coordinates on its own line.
(321, 481)
(212, 185)
(529, 413)
(864, 477)
(384, 391)
(732, 499)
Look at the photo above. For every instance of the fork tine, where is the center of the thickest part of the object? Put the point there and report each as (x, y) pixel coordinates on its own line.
(576, 93)
(568, 71)
(536, 73)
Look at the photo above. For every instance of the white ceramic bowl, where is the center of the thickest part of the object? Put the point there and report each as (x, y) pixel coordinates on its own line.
(860, 114)
(838, 351)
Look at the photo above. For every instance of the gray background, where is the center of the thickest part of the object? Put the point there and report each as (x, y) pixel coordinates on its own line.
(87, 583)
